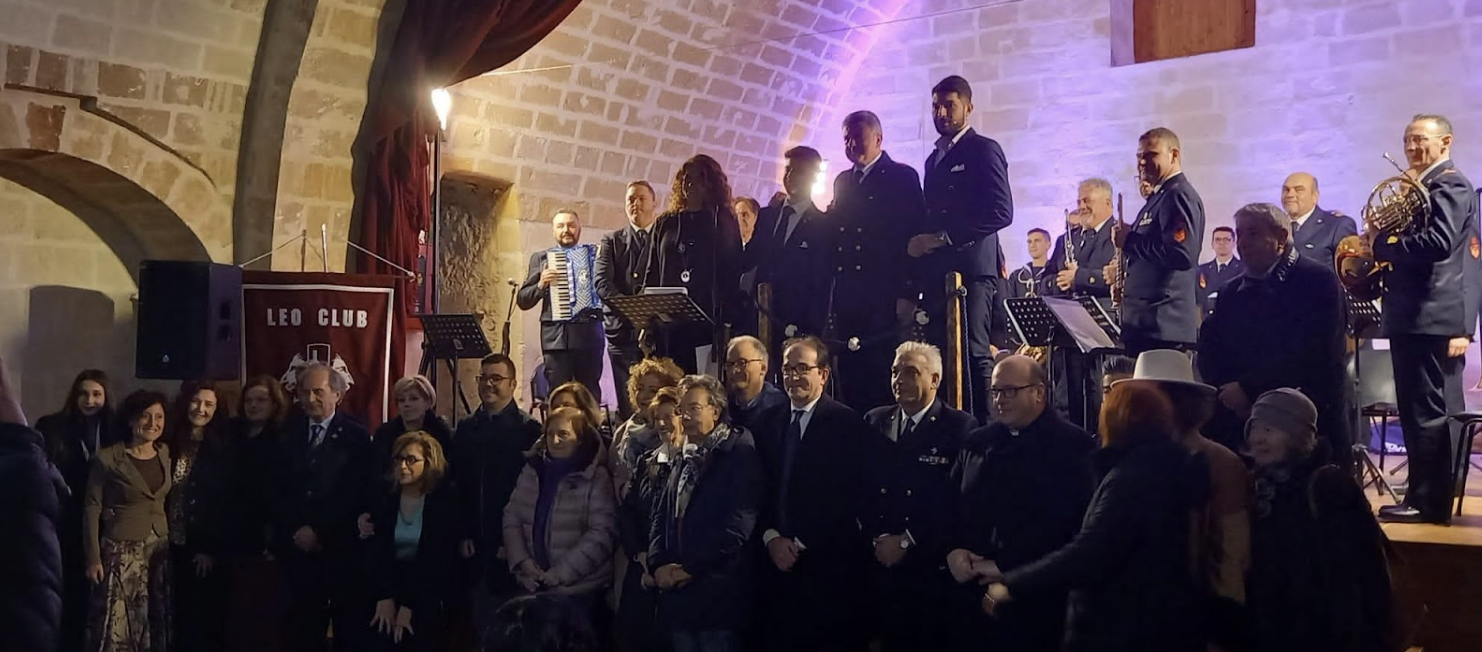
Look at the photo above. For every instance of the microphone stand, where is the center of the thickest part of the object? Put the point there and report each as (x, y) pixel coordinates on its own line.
(509, 315)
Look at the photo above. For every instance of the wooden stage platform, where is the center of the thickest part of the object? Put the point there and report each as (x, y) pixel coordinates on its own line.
(1447, 566)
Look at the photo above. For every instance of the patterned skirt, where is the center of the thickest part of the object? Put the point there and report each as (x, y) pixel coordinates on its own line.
(131, 608)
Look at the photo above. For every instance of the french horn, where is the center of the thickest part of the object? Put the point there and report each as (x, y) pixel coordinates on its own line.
(1397, 205)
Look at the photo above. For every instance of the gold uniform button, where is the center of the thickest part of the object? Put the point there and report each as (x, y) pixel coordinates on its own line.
(635, 274)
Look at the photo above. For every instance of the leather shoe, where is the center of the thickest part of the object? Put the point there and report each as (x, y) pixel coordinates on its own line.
(1399, 514)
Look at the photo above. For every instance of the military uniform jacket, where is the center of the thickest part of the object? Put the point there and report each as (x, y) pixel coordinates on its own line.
(1425, 291)
(908, 480)
(1212, 279)
(1318, 239)
(620, 266)
(1094, 250)
(967, 197)
(796, 267)
(870, 223)
(1162, 256)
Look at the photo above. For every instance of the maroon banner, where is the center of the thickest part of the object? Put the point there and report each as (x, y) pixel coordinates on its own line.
(290, 319)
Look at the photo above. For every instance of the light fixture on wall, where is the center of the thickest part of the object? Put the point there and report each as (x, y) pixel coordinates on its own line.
(442, 104)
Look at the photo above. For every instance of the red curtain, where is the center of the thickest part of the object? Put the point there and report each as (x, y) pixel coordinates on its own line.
(439, 43)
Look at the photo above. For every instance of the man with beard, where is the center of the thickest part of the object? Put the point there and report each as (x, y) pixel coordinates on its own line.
(968, 202)
(572, 345)
(907, 501)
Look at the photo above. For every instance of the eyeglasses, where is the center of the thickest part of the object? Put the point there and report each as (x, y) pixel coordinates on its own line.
(738, 365)
(1008, 392)
(1417, 140)
(493, 379)
(799, 369)
(407, 460)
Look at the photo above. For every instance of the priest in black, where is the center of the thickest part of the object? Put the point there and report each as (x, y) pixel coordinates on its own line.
(1425, 318)
(877, 204)
(1022, 486)
(1216, 274)
(621, 257)
(697, 246)
(1161, 247)
(907, 501)
(1280, 325)
(968, 202)
(1315, 231)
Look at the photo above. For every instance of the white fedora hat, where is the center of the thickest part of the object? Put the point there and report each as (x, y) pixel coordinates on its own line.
(1166, 366)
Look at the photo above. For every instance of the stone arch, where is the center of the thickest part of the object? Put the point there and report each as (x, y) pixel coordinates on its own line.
(143, 199)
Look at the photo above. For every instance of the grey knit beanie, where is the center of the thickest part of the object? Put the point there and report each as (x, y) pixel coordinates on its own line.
(1287, 410)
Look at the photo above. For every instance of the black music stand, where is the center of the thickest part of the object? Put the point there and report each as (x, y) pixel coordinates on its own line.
(1363, 324)
(451, 338)
(1032, 320)
(662, 311)
(1089, 329)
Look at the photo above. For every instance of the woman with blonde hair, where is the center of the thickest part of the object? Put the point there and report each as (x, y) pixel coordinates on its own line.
(635, 437)
(415, 400)
(410, 559)
(697, 246)
(1127, 570)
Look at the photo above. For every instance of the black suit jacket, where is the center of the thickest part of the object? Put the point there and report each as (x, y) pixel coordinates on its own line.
(425, 582)
(584, 331)
(967, 197)
(1162, 255)
(1094, 250)
(1425, 291)
(871, 222)
(823, 499)
(620, 267)
(1318, 240)
(1287, 330)
(705, 248)
(795, 266)
(323, 487)
(1212, 280)
(908, 481)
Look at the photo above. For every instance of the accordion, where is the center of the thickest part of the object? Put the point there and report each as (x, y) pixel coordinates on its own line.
(574, 291)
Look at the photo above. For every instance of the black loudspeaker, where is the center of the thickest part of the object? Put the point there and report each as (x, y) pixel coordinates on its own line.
(190, 321)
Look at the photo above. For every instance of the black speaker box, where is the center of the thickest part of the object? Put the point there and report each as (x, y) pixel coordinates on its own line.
(190, 321)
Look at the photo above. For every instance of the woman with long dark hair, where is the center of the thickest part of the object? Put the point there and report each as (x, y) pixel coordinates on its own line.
(202, 474)
(697, 246)
(1127, 570)
(73, 436)
(126, 533)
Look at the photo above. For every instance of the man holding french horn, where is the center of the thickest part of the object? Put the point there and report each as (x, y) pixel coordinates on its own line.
(1420, 231)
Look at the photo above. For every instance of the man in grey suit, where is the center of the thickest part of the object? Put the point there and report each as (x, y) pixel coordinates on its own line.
(1315, 231)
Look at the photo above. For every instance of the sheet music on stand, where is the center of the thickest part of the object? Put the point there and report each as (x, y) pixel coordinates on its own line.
(1102, 314)
(451, 338)
(1363, 318)
(1031, 320)
(1077, 322)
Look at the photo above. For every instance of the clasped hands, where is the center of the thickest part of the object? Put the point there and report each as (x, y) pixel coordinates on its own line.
(532, 578)
(966, 566)
(391, 620)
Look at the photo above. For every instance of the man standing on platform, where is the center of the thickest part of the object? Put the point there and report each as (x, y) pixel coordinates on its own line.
(1161, 250)
(968, 202)
(1425, 317)
(877, 204)
(1215, 274)
(1092, 242)
(572, 346)
(789, 250)
(1033, 278)
(1316, 232)
(746, 381)
(620, 261)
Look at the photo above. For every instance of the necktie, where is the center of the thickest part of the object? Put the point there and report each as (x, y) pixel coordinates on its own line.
(790, 443)
(1296, 226)
(316, 437)
(859, 176)
(784, 224)
(642, 242)
(1219, 268)
(906, 428)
